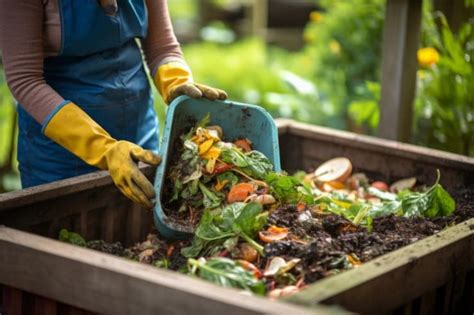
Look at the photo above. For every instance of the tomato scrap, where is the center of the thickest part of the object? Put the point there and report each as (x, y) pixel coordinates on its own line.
(273, 233)
(221, 167)
(380, 186)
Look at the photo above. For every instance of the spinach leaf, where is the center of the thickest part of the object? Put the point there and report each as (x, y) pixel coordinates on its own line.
(72, 238)
(232, 155)
(189, 166)
(211, 199)
(239, 220)
(386, 208)
(226, 273)
(195, 248)
(248, 221)
(209, 230)
(432, 203)
(230, 213)
(443, 201)
(228, 176)
(381, 194)
(283, 187)
(253, 163)
(258, 164)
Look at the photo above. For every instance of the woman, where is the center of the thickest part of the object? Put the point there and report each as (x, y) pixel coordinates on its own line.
(76, 70)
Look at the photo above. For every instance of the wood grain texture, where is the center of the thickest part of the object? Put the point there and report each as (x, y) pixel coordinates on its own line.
(399, 65)
(12, 301)
(305, 147)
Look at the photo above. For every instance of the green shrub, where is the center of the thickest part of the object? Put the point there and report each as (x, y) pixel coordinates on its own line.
(251, 72)
(345, 42)
(444, 106)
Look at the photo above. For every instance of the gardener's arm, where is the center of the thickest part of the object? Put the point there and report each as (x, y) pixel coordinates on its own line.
(21, 27)
(21, 38)
(163, 54)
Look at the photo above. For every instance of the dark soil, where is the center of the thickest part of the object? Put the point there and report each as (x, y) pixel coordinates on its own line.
(325, 242)
(153, 251)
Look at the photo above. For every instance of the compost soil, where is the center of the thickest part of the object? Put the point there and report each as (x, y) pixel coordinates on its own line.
(326, 243)
(329, 243)
(152, 251)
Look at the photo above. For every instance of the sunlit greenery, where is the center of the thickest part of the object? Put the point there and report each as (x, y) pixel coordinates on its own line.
(8, 165)
(334, 80)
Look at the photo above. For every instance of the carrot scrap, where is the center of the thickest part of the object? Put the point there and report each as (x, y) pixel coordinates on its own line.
(170, 250)
(250, 267)
(245, 144)
(300, 206)
(221, 167)
(240, 192)
(273, 233)
(354, 261)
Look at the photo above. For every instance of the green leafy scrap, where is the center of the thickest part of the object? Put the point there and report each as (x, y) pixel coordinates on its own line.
(253, 163)
(72, 238)
(288, 189)
(216, 227)
(226, 273)
(433, 202)
(211, 199)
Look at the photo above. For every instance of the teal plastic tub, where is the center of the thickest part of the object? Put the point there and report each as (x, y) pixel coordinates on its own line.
(236, 120)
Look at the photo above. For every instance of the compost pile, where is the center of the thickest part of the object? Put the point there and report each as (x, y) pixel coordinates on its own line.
(271, 233)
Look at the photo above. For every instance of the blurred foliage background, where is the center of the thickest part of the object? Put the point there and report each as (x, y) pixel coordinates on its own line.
(316, 61)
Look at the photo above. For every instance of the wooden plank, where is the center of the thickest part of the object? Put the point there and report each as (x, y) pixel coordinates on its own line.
(406, 273)
(291, 152)
(32, 195)
(12, 301)
(447, 298)
(367, 143)
(44, 306)
(400, 43)
(57, 208)
(428, 303)
(106, 284)
(382, 166)
(282, 125)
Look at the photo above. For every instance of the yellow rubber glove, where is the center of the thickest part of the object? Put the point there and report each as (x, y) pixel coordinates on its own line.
(73, 129)
(174, 79)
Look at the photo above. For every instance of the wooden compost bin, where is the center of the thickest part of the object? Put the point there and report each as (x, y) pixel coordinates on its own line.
(40, 275)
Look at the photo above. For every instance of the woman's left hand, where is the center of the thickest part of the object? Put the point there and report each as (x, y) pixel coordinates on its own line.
(174, 79)
(196, 90)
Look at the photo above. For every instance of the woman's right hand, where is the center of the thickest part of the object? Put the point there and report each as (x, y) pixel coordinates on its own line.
(76, 131)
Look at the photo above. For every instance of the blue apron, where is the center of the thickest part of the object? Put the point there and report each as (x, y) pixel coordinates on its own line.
(99, 68)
